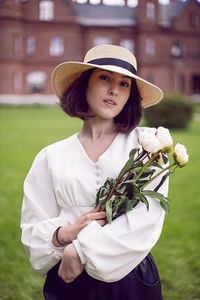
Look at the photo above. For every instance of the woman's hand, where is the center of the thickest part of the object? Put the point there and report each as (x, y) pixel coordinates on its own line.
(67, 234)
(71, 266)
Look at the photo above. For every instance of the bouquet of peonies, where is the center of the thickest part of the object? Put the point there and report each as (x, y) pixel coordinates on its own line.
(120, 195)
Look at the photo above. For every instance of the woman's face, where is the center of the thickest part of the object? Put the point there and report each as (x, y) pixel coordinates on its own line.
(107, 93)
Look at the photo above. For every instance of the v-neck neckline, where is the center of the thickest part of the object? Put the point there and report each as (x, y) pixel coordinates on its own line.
(104, 153)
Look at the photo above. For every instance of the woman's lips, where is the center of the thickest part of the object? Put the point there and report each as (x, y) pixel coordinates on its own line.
(110, 102)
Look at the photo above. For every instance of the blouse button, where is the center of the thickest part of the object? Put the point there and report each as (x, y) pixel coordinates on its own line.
(98, 181)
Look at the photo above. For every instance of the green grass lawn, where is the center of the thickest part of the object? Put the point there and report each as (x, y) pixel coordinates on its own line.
(24, 131)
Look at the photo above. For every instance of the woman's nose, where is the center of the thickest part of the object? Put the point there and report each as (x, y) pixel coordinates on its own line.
(113, 90)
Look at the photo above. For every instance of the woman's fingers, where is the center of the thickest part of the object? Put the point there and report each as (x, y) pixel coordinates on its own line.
(71, 266)
(70, 232)
(101, 222)
(96, 216)
(96, 209)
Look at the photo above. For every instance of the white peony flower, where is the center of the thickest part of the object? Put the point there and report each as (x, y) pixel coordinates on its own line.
(149, 141)
(165, 138)
(180, 155)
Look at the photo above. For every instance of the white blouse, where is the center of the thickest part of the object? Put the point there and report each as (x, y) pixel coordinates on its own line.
(61, 185)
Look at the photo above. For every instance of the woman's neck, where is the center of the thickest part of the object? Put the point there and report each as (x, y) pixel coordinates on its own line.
(95, 128)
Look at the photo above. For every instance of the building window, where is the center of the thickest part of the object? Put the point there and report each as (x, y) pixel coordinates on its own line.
(17, 44)
(36, 81)
(56, 46)
(101, 40)
(196, 84)
(194, 20)
(46, 10)
(181, 83)
(151, 78)
(150, 47)
(95, 1)
(17, 82)
(31, 45)
(128, 44)
(177, 49)
(81, 1)
(111, 2)
(150, 11)
(132, 3)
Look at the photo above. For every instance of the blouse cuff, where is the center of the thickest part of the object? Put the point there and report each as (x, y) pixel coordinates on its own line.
(85, 233)
(79, 251)
(42, 253)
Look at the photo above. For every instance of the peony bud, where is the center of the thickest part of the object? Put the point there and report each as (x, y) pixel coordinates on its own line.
(165, 138)
(180, 155)
(149, 141)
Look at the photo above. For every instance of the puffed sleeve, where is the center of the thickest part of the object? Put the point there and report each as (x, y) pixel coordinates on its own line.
(40, 216)
(112, 251)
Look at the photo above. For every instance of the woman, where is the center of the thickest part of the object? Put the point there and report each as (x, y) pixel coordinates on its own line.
(63, 234)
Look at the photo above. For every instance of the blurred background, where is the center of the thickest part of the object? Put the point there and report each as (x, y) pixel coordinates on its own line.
(37, 35)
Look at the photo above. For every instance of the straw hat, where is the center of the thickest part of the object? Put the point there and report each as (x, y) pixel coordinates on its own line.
(107, 57)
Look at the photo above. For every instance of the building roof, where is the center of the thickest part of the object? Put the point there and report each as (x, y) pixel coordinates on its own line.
(169, 12)
(105, 15)
(115, 16)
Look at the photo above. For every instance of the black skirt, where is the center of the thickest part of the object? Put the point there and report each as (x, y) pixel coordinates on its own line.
(142, 283)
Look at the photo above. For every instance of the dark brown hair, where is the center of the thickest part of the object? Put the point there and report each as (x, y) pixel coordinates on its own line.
(74, 103)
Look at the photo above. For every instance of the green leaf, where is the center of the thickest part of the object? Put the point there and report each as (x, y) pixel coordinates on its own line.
(140, 155)
(128, 165)
(109, 183)
(132, 152)
(143, 199)
(165, 158)
(147, 173)
(165, 205)
(141, 182)
(136, 165)
(129, 204)
(109, 209)
(118, 203)
(156, 164)
(154, 194)
(102, 192)
(102, 200)
(162, 181)
(121, 190)
(163, 200)
(137, 169)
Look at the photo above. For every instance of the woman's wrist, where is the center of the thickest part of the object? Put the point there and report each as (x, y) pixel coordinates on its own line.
(61, 237)
(57, 238)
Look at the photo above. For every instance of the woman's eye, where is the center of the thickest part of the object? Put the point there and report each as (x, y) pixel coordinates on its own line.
(104, 77)
(124, 83)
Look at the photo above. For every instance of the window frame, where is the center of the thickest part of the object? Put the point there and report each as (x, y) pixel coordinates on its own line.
(46, 10)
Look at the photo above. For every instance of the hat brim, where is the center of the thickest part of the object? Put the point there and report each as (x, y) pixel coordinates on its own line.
(66, 73)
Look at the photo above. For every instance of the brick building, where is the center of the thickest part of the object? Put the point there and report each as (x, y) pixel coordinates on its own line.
(36, 35)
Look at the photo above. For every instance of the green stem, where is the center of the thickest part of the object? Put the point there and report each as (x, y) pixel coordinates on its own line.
(146, 165)
(129, 171)
(158, 174)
